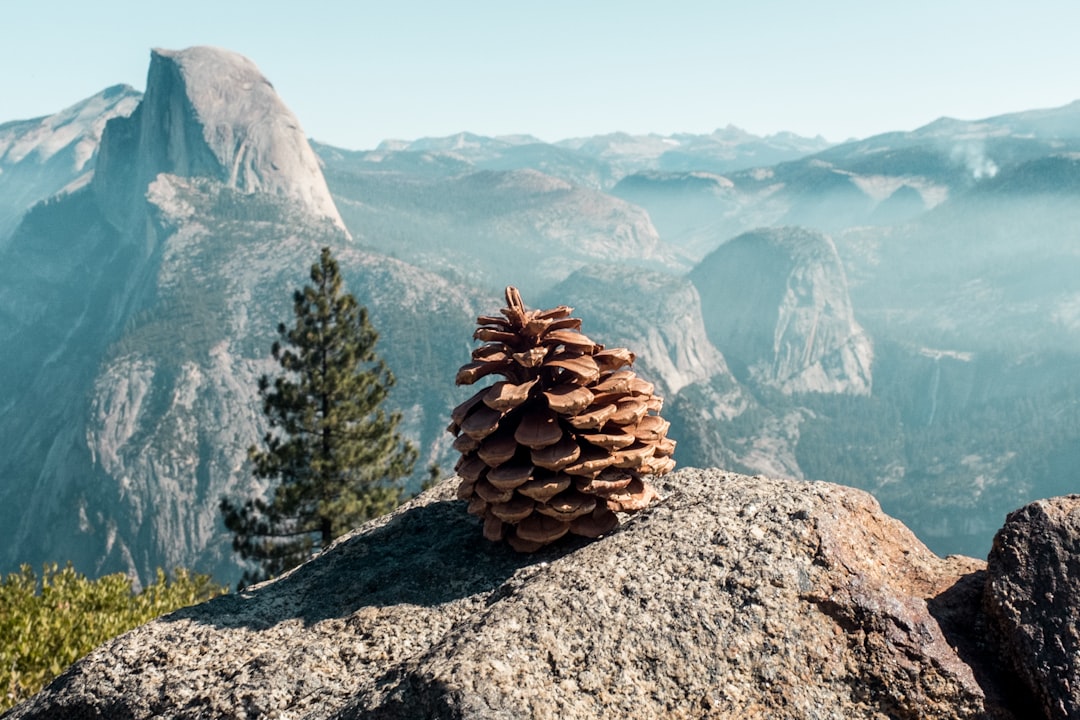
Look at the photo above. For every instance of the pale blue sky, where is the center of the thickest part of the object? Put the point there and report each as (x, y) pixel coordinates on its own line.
(358, 72)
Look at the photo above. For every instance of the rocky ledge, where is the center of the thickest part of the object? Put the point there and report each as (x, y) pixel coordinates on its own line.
(1032, 596)
(733, 597)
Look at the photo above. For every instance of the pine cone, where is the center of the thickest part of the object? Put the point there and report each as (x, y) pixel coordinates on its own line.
(561, 444)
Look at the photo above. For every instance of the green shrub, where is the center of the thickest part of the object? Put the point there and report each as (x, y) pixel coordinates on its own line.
(47, 623)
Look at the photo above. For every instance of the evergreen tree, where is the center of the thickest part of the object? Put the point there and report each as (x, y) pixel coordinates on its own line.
(337, 455)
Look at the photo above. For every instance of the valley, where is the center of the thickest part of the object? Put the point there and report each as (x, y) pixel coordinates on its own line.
(899, 313)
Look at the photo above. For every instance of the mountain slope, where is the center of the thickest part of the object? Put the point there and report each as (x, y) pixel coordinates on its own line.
(137, 315)
(496, 228)
(41, 157)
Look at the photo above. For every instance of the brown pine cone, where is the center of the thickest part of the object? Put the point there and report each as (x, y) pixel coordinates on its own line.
(562, 442)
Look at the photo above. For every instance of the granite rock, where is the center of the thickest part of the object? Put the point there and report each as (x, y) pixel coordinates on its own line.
(208, 113)
(733, 597)
(1032, 587)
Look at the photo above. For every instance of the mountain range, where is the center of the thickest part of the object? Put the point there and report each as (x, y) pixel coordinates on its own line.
(899, 313)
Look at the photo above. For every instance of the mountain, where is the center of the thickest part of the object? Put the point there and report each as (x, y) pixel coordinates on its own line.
(893, 313)
(465, 145)
(967, 299)
(494, 228)
(210, 113)
(426, 172)
(138, 311)
(600, 161)
(884, 180)
(777, 302)
(979, 146)
(724, 150)
(43, 156)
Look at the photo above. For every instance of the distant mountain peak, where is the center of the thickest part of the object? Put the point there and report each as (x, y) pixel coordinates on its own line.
(465, 144)
(54, 154)
(733, 132)
(209, 112)
(78, 126)
(1041, 123)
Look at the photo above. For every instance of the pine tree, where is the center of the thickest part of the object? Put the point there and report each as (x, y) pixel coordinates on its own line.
(336, 453)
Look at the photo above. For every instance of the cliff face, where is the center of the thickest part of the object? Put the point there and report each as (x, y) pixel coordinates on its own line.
(733, 597)
(210, 113)
(777, 303)
(171, 404)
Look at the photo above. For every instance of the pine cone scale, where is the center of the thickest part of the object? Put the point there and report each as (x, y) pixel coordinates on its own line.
(505, 395)
(593, 420)
(481, 422)
(543, 489)
(558, 455)
(497, 448)
(568, 399)
(510, 476)
(538, 430)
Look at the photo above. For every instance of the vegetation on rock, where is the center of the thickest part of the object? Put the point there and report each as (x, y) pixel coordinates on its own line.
(49, 622)
(335, 453)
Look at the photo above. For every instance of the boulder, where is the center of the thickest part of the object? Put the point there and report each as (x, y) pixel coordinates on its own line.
(731, 597)
(1032, 592)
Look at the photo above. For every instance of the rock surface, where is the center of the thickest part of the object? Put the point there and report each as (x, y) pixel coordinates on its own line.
(210, 113)
(733, 597)
(1033, 582)
(776, 301)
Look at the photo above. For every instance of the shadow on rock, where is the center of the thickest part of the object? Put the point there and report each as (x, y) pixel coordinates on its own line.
(423, 554)
(430, 699)
(958, 610)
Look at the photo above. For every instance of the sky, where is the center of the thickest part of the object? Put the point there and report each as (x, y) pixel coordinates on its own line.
(356, 73)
